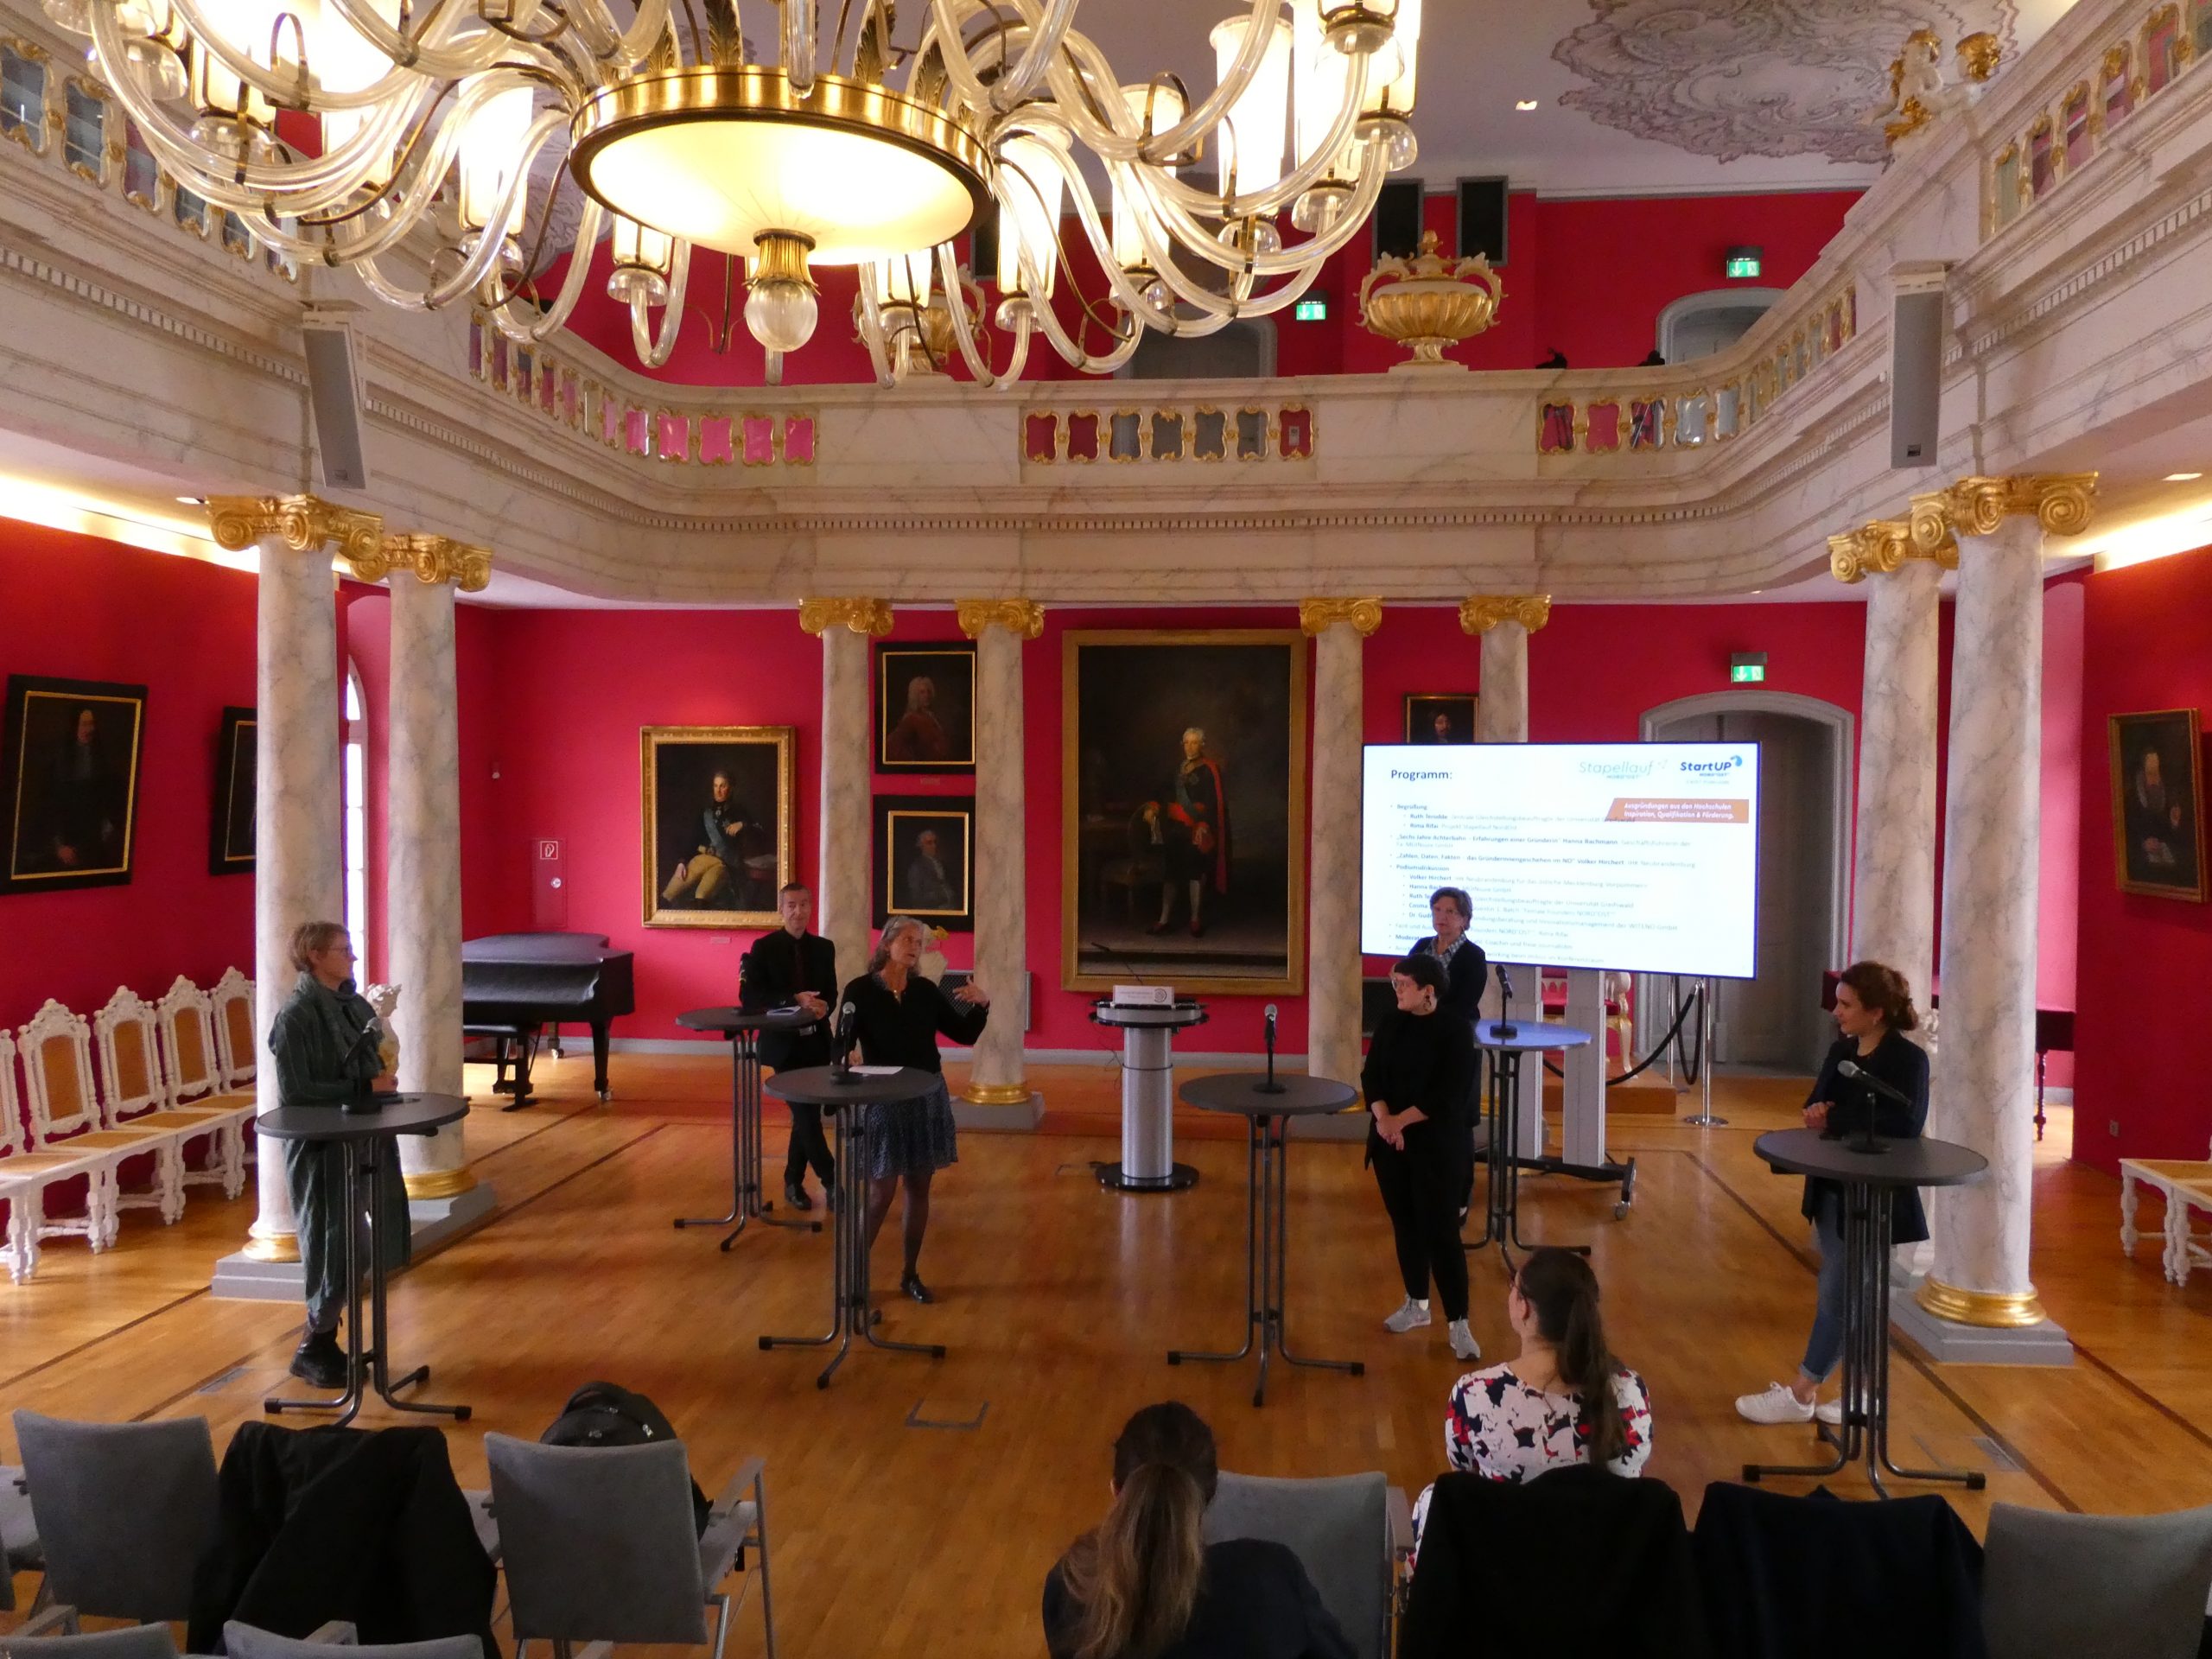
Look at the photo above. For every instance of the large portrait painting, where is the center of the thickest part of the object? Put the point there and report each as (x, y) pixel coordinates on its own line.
(2158, 805)
(230, 836)
(69, 761)
(925, 860)
(717, 823)
(1183, 787)
(925, 707)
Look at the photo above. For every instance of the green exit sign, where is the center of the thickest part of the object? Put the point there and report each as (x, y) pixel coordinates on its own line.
(1747, 667)
(1744, 262)
(1314, 308)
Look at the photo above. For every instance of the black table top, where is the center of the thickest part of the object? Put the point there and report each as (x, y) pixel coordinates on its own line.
(1239, 1092)
(1529, 1035)
(394, 1114)
(812, 1085)
(729, 1020)
(1917, 1161)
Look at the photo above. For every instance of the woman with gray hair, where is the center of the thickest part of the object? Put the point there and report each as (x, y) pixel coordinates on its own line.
(897, 1015)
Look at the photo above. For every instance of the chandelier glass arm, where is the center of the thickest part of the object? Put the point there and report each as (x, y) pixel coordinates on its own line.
(653, 351)
(550, 320)
(963, 335)
(1046, 30)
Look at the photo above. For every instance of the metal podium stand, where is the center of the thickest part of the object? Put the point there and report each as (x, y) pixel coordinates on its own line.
(1148, 1161)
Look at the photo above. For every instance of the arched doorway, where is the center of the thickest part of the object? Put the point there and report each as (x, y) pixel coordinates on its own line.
(1805, 750)
(1698, 325)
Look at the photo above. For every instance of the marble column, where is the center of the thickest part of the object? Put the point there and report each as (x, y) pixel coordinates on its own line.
(1978, 1290)
(1338, 628)
(299, 870)
(1504, 622)
(422, 869)
(842, 909)
(996, 1080)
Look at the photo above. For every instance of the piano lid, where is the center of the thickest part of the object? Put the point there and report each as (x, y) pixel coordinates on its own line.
(537, 947)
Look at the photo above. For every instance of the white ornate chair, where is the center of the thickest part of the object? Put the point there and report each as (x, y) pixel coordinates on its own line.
(237, 1050)
(57, 1053)
(136, 1096)
(25, 1174)
(192, 1064)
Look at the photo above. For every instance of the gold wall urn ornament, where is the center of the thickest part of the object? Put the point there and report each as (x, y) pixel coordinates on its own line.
(1430, 304)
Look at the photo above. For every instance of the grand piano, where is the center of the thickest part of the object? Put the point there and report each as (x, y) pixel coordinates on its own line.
(514, 986)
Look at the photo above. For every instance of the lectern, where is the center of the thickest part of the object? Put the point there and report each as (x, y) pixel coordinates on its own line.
(1148, 1162)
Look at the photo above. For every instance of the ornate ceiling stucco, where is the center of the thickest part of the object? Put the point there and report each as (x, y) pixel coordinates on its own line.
(1734, 78)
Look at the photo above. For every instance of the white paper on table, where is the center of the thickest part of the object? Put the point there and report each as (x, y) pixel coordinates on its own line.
(877, 1070)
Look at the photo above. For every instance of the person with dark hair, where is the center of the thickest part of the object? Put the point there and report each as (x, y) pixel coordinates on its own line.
(325, 1054)
(1467, 970)
(1874, 1011)
(793, 968)
(1417, 1081)
(1145, 1585)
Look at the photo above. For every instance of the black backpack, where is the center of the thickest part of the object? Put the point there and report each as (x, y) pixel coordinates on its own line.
(602, 1413)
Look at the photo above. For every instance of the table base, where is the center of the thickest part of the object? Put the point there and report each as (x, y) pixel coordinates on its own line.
(1864, 1434)
(1179, 1178)
(746, 1203)
(1265, 1204)
(1502, 1200)
(368, 1364)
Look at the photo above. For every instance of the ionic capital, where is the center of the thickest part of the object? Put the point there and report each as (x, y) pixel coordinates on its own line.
(863, 616)
(1878, 547)
(1318, 616)
(1022, 618)
(306, 524)
(433, 559)
(2061, 503)
(1485, 611)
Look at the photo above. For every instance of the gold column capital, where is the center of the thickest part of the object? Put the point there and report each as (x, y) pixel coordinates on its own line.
(1485, 611)
(1318, 616)
(1022, 618)
(304, 523)
(2007, 1310)
(1880, 545)
(433, 559)
(2061, 503)
(863, 616)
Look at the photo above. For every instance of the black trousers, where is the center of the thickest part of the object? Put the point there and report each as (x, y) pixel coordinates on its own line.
(1420, 1188)
(808, 1147)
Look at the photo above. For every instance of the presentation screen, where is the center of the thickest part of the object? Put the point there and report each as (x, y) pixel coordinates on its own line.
(1634, 856)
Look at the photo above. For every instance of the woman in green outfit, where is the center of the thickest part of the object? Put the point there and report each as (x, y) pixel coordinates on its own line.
(322, 1059)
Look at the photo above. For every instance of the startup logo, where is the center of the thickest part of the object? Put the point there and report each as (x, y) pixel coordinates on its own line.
(1712, 769)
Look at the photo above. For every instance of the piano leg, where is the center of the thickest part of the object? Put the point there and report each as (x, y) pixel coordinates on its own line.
(525, 1043)
(599, 1030)
(553, 1041)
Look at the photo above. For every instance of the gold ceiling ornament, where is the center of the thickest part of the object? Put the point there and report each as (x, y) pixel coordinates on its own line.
(1318, 616)
(1022, 618)
(2009, 1309)
(1978, 54)
(305, 523)
(1880, 546)
(2061, 503)
(438, 558)
(863, 616)
(1485, 611)
(1429, 303)
(784, 136)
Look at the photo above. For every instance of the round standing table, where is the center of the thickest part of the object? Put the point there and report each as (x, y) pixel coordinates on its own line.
(1869, 1180)
(841, 1099)
(743, 1028)
(1507, 1045)
(1243, 1094)
(362, 1136)
(1147, 1163)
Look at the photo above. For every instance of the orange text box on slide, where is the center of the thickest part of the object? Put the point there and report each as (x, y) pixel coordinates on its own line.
(1647, 810)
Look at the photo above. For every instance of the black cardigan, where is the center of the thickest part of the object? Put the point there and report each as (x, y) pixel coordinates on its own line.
(776, 970)
(1902, 1063)
(903, 1029)
(1469, 974)
(1255, 1602)
(1421, 1059)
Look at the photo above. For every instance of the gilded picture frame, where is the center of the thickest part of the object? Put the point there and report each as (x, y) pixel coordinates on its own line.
(925, 707)
(70, 758)
(742, 775)
(924, 863)
(1133, 798)
(231, 827)
(2158, 804)
(1425, 709)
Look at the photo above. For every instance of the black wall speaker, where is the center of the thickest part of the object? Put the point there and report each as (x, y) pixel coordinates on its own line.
(1915, 367)
(335, 395)
(1482, 219)
(1397, 220)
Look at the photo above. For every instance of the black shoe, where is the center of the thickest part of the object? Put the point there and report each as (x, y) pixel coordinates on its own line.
(795, 1196)
(320, 1360)
(911, 1284)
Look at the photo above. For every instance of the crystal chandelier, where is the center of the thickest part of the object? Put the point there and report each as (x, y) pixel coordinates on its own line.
(430, 143)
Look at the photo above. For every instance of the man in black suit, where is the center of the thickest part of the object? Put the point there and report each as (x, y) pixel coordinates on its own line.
(791, 968)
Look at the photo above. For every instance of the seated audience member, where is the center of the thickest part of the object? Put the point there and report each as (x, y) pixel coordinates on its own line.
(1145, 1585)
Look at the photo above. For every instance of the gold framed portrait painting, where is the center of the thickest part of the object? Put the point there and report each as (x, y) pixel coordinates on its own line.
(1439, 717)
(229, 834)
(925, 860)
(926, 706)
(716, 824)
(2158, 805)
(69, 761)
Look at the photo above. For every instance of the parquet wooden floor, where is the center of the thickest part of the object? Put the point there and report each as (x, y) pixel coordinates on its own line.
(1058, 1302)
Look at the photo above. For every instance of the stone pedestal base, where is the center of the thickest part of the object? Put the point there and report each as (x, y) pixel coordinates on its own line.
(1023, 1115)
(1948, 1343)
(438, 1222)
(242, 1278)
(435, 1224)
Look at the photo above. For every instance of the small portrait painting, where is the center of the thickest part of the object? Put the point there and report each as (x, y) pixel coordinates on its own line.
(2158, 807)
(71, 755)
(925, 707)
(924, 860)
(1439, 717)
(717, 823)
(230, 843)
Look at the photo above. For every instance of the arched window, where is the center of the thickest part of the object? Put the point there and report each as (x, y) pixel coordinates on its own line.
(356, 796)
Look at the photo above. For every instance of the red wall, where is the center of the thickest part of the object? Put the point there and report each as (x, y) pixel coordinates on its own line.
(76, 607)
(2144, 962)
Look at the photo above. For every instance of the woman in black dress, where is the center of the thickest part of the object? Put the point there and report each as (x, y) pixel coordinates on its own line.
(897, 1016)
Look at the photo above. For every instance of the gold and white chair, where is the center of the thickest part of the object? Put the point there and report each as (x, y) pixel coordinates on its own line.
(26, 1173)
(135, 1096)
(229, 1006)
(191, 1066)
(57, 1053)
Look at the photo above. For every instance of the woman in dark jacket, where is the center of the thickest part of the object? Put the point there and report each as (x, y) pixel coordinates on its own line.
(1874, 1011)
(897, 1015)
(325, 1055)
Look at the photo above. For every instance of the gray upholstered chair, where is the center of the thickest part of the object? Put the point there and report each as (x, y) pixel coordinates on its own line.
(19, 1550)
(2087, 1587)
(599, 1543)
(125, 1512)
(53, 1635)
(251, 1642)
(1353, 1533)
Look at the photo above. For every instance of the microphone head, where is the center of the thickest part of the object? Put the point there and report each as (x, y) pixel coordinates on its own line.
(1849, 1068)
(1271, 1014)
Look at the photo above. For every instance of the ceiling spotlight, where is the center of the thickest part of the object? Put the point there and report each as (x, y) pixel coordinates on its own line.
(2183, 478)
(1525, 105)
(191, 501)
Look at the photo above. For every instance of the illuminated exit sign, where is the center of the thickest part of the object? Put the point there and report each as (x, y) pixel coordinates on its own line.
(1747, 668)
(1744, 262)
(1314, 308)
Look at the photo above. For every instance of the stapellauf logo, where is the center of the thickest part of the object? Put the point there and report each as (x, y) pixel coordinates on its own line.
(1713, 768)
(1617, 771)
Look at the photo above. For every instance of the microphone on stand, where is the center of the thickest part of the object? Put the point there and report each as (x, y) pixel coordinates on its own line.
(1506, 1028)
(1271, 1087)
(1865, 1140)
(841, 1068)
(362, 1099)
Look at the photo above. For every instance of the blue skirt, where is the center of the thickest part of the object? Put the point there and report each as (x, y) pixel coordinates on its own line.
(910, 1137)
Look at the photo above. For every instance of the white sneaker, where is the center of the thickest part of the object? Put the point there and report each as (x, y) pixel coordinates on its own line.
(1777, 1405)
(1463, 1340)
(1830, 1411)
(1411, 1316)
